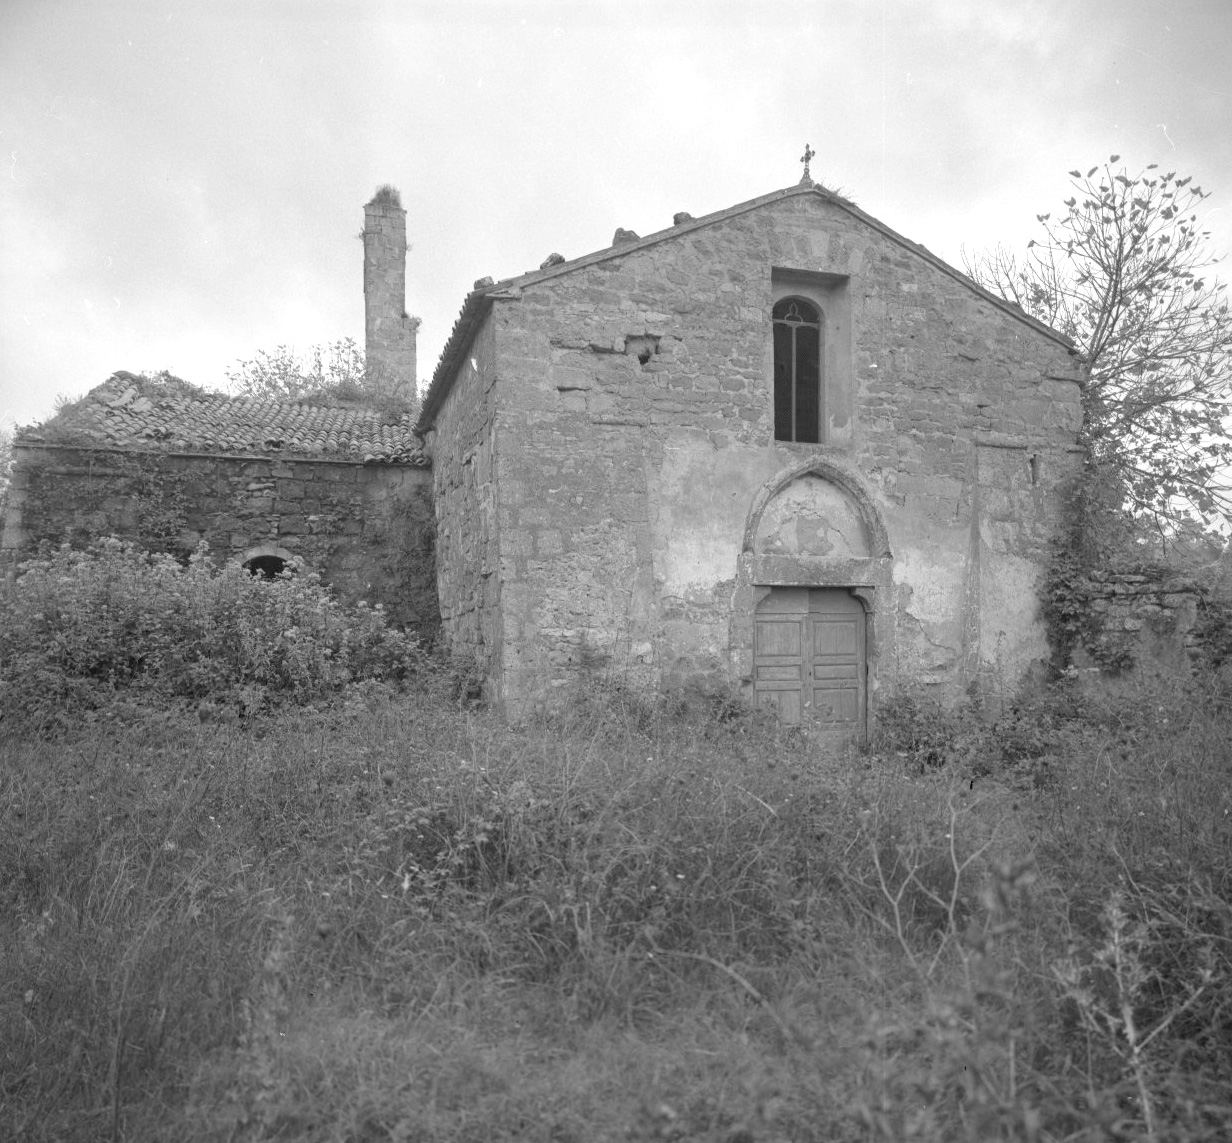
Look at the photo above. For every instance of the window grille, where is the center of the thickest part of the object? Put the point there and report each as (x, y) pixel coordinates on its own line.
(797, 371)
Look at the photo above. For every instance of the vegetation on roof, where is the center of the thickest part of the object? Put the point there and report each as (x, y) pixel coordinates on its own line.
(159, 386)
(161, 413)
(386, 195)
(327, 376)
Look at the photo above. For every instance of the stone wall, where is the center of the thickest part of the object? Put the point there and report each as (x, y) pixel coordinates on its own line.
(633, 436)
(366, 528)
(1141, 623)
(468, 555)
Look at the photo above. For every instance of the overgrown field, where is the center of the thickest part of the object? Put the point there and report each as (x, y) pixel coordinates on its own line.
(358, 910)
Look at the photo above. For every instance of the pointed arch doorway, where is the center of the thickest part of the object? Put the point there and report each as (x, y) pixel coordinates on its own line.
(809, 609)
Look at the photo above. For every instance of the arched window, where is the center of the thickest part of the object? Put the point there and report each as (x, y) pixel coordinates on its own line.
(797, 371)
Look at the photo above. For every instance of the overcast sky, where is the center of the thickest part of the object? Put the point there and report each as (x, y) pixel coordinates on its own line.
(183, 183)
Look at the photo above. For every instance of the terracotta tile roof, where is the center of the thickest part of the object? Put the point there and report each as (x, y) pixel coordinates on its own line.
(150, 417)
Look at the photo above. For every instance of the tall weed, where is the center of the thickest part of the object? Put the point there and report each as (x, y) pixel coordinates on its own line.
(392, 918)
(78, 628)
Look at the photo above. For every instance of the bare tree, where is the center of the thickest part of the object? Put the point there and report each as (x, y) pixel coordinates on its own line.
(1124, 273)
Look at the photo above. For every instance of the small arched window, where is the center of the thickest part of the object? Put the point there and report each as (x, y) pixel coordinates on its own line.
(266, 567)
(797, 371)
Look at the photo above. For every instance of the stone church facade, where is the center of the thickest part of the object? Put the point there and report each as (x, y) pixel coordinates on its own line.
(779, 449)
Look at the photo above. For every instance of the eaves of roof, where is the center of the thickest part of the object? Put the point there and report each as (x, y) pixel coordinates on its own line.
(479, 301)
(79, 444)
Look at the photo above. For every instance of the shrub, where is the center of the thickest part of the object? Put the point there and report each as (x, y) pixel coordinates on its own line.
(925, 734)
(77, 628)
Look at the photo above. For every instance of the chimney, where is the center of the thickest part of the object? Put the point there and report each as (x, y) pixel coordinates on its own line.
(389, 334)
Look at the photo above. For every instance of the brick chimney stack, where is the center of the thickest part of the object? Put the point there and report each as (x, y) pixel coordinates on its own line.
(389, 334)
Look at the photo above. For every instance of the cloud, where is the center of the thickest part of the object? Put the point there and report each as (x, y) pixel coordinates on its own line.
(206, 165)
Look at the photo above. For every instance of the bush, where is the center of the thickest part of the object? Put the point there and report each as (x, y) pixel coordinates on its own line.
(926, 735)
(79, 627)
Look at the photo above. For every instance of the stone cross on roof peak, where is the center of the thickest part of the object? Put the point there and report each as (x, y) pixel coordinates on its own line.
(809, 154)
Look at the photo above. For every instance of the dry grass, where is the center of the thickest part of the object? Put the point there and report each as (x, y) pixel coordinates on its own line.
(394, 920)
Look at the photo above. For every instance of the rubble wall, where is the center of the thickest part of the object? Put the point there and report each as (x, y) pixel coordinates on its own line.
(635, 440)
(367, 529)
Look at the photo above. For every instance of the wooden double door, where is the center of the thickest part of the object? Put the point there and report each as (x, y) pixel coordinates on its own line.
(811, 660)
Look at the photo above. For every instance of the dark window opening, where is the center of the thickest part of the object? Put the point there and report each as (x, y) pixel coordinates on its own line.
(267, 567)
(642, 346)
(797, 371)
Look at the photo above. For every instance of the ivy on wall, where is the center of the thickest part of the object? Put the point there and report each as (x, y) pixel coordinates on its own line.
(1101, 586)
(130, 495)
(1213, 630)
(77, 495)
(405, 557)
(162, 504)
(1068, 605)
(1106, 588)
(1084, 543)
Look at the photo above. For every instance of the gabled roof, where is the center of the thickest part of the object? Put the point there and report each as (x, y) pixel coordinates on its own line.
(137, 414)
(479, 300)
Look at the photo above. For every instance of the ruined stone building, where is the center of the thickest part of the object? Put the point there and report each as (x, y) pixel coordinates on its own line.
(335, 487)
(341, 486)
(779, 450)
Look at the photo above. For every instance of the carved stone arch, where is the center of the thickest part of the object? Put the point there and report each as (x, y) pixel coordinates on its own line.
(813, 534)
(843, 479)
